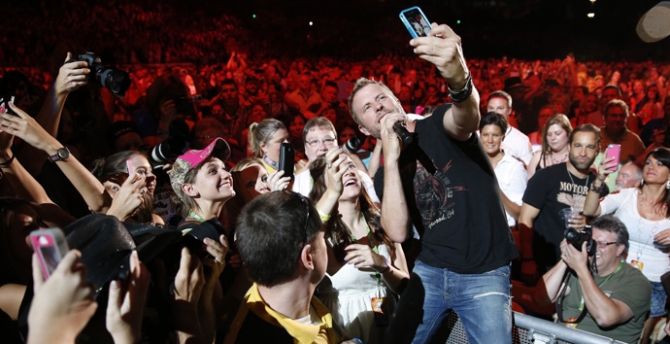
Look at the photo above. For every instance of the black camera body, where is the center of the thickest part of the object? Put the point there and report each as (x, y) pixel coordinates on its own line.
(115, 80)
(577, 238)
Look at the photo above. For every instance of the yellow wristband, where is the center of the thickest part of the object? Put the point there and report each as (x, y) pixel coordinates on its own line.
(324, 217)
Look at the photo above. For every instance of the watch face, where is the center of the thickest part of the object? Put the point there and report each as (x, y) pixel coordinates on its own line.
(63, 153)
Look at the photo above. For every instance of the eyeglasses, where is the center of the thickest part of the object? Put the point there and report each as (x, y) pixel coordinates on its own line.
(327, 142)
(606, 243)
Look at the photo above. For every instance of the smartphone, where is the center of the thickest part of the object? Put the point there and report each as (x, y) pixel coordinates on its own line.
(129, 167)
(416, 22)
(286, 159)
(4, 105)
(613, 151)
(50, 246)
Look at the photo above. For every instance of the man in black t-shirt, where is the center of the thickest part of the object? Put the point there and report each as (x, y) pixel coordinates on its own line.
(549, 192)
(443, 184)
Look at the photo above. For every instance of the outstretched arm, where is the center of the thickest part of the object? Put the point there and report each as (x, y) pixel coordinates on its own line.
(25, 127)
(443, 49)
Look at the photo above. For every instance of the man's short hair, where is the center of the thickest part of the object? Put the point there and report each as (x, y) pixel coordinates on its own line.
(228, 82)
(586, 128)
(494, 118)
(638, 170)
(617, 88)
(610, 223)
(318, 122)
(360, 84)
(615, 102)
(272, 230)
(501, 94)
(330, 83)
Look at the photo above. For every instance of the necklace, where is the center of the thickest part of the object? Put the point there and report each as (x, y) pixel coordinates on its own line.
(572, 206)
(554, 162)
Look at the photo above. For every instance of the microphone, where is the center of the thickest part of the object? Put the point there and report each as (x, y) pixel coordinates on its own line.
(402, 132)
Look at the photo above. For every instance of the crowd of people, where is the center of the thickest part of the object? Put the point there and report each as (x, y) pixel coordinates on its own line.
(206, 238)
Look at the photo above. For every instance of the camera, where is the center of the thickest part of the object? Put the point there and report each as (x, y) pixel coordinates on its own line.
(577, 238)
(115, 80)
(353, 144)
(169, 149)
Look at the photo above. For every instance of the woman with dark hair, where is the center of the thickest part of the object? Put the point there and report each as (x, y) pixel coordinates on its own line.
(645, 211)
(113, 173)
(509, 171)
(365, 268)
(650, 106)
(555, 135)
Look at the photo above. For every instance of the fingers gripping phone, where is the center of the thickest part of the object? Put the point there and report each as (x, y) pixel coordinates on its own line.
(416, 22)
(613, 151)
(286, 158)
(50, 246)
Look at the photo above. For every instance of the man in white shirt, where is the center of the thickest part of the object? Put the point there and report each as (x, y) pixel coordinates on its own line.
(515, 143)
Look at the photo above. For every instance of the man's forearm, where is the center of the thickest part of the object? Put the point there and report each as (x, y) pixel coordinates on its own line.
(395, 214)
(605, 311)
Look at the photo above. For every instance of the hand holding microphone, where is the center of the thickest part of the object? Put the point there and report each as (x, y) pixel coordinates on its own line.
(403, 133)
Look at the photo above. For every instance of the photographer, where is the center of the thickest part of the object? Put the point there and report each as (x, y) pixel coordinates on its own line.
(614, 296)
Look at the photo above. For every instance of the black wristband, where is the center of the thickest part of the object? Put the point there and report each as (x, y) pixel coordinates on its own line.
(459, 96)
(8, 162)
(597, 189)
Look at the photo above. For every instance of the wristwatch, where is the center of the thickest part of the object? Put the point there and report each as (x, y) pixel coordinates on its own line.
(61, 154)
(458, 96)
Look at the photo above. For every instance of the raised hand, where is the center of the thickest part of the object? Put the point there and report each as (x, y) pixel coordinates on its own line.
(71, 76)
(443, 49)
(63, 304)
(125, 306)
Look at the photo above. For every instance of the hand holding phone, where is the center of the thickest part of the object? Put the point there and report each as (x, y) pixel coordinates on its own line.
(416, 22)
(129, 167)
(50, 246)
(613, 151)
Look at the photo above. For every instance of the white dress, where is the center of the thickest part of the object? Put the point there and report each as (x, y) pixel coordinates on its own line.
(348, 294)
(641, 232)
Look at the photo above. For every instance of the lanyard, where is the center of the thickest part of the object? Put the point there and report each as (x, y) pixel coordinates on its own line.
(372, 244)
(192, 214)
(581, 303)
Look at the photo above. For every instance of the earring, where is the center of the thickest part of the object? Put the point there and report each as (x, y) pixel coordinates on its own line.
(642, 182)
(667, 185)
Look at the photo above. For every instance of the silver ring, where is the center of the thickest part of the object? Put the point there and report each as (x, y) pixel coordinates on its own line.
(143, 191)
(329, 166)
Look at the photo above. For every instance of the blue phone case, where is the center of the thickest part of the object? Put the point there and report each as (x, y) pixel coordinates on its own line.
(415, 21)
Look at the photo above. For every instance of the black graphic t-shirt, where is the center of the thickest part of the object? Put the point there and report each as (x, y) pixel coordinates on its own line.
(454, 200)
(552, 190)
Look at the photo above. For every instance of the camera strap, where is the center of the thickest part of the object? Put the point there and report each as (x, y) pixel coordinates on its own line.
(582, 308)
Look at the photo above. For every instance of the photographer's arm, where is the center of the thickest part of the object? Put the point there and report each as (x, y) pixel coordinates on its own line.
(549, 285)
(71, 76)
(605, 311)
(25, 127)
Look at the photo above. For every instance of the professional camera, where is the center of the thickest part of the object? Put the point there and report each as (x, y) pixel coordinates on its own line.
(169, 149)
(353, 144)
(577, 238)
(115, 80)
